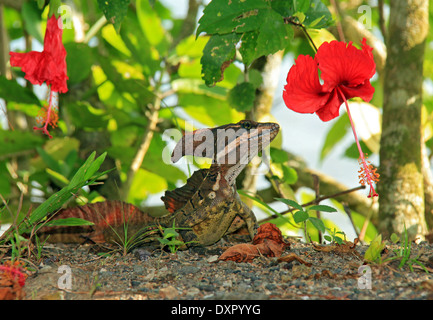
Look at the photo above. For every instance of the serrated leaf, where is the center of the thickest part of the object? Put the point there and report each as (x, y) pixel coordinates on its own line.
(217, 55)
(242, 96)
(220, 16)
(115, 11)
(324, 208)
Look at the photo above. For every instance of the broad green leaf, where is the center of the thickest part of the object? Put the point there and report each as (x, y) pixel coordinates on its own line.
(290, 175)
(197, 86)
(322, 207)
(110, 35)
(144, 183)
(217, 56)
(11, 91)
(221, 16)
(300, 216)
(242, 96)
(191, 46)
(79, 61)
(68, 222)
(115, 11)
(151, 25)
(278, 155)
(291, 203)
(32, 20)
(318, 223)
(13, 142)
(209, 111)
(318, 15)
(84, 115)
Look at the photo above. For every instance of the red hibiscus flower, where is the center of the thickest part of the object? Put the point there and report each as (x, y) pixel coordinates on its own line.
(345, 72)
(48, 66)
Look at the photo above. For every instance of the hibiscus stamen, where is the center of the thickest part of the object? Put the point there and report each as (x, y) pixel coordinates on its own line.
(367, 173)
(48, 114)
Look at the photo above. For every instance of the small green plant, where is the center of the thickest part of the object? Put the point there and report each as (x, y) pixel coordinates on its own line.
(302, 215)
(334, 238)
(170, 238)
(403, 253)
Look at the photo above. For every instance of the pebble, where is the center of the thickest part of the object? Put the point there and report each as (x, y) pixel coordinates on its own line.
(169, 292)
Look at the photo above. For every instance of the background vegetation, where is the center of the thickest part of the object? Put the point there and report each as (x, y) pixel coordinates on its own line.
(149, 71)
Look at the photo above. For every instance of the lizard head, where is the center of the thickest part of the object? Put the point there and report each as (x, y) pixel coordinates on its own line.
(231, 146)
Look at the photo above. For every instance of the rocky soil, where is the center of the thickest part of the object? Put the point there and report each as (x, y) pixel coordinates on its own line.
(72, 272)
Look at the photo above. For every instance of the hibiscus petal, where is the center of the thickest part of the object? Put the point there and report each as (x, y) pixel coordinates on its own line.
(364, 91)
(331, 109)
(344, 64)
(303, 91)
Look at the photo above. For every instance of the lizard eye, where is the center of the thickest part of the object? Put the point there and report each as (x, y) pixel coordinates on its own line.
(246, 125)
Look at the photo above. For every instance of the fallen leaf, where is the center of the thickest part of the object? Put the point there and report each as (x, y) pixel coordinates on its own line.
(269, 231)
(291, 257)
(267, 242)
(346, 247)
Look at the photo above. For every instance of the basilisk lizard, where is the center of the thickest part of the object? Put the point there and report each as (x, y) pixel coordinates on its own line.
(206, 206)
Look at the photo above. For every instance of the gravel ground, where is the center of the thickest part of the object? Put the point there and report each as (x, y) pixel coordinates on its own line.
(71, 272)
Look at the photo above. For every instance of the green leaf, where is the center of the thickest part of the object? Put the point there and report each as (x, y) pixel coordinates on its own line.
(13, 142)
(151, 25)
(11, 91)
(374, 250)
(394, 238)
(318, 15)
(68, 222)
(322, 208)
(196, 86)
(291, 203)
(242, 96)
(84, 115)
(278, 155)
(317, 223)
(31, 15)
(217, 55)
(56, 200)
(221, 16)
(290, 174)
(115, 11)
(170, 233)
(79, 61)
(300, 216)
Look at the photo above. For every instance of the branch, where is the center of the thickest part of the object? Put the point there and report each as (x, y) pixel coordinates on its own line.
(355, 201)
(142, 150)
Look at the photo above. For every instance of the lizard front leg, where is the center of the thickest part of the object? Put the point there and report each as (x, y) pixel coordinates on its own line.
(250, 219)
